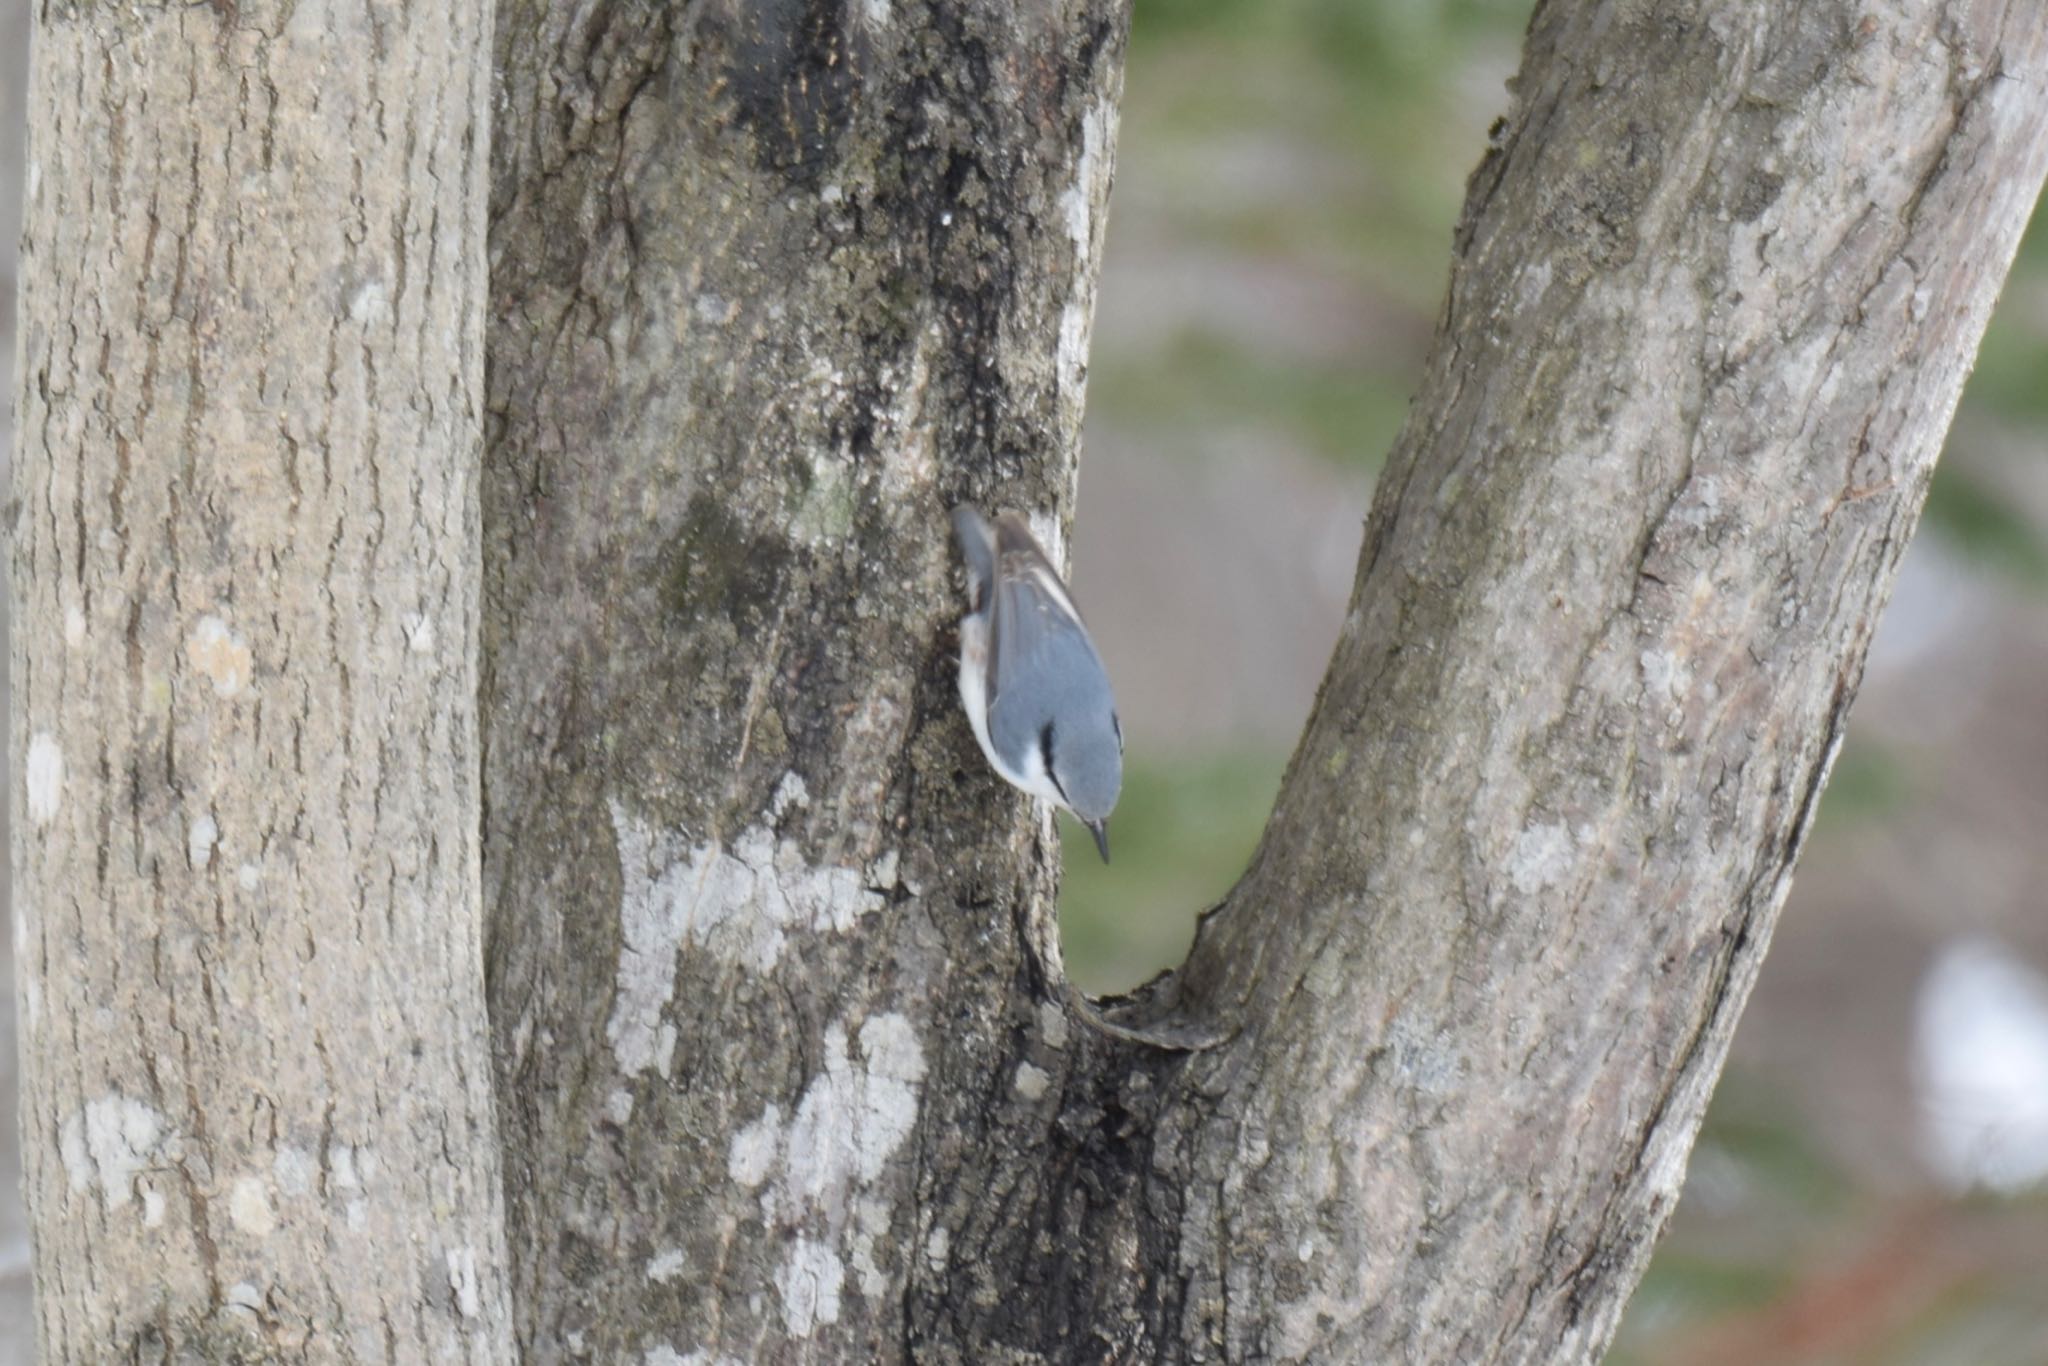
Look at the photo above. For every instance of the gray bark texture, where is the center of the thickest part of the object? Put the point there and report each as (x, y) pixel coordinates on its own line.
(785, 1068)
(256, 1096)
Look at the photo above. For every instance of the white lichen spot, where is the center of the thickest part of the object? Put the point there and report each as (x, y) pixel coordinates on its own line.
(249, 1207)
(832, 194)
(937, 1245)
(871, 1230)
(715, 310)
(661, 1354)
(1046, 530)
(1665, 675)
(107, 1142)
(882, 873)
(1542, 857)
(1077, 203)
(1305, 1251)
(357, 1214)
(74, 626)
(618, 1107)
(369, 304)
(292, 1169)
(1072, 356)
(1052, 1024)
(1078, 200)
(755, 1148)
(665, 1265)
(152, 1207)
(44, 775)
(462, 1280)
(419, 632)
(877, 12)
(200, 837)
(248, 876)
(791, 791)
(220, 654)
(739, 902)
(244, 1297)
(821, 1167)
(1031, 1082)
(808, 1281)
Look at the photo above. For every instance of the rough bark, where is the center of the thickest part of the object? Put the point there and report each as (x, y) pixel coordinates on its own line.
(773, 286)
(256, 1104)
(782, 1074)
(1718, 285)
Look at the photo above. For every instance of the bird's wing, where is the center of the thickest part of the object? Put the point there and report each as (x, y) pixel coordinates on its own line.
(1038, 648)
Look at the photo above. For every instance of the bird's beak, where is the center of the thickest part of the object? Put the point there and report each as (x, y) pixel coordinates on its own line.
(1100, 829)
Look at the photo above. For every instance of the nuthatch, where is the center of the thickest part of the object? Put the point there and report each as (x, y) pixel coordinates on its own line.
(1034, 688)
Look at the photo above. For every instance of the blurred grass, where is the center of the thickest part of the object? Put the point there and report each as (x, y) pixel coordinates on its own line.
(1183, 830)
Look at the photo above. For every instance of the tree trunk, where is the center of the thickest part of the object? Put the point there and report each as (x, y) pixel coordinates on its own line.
(256, 1100)
(779, 1066)
(774, 286)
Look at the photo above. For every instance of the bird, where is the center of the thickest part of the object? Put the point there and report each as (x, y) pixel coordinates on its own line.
(1031, 682)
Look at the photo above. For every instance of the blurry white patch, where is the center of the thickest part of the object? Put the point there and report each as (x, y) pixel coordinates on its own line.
(1045, 529)
(248, 876)
(462, 1280)
(1542, 857)
(243, 1297)
(200, 837)
(852, 1119)
(808, 1281)
(664, 1355)
(1077, 203)
(292, 1169)
(1031, 1082)
(107, 1142)
(1078, 200)
(739, 903)
(369, 304)
(152, 1208)
(74, 627)
(755, 1148)
(666, 1265)
(1665, 675)
(791, 791)
(249, 1207)
(419, 632)
(221, 655)
(618, 1107)
(1981, 1049)
(1052, 1024)
(44, 774)
(877, 12)
(1072, 357)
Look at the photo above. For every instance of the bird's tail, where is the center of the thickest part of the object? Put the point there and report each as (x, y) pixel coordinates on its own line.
(978, 549)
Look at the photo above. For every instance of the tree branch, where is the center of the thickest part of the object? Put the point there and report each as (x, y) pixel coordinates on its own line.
(1719, 282)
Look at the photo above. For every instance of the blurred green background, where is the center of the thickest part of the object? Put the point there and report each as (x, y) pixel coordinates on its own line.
(1288, 175)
